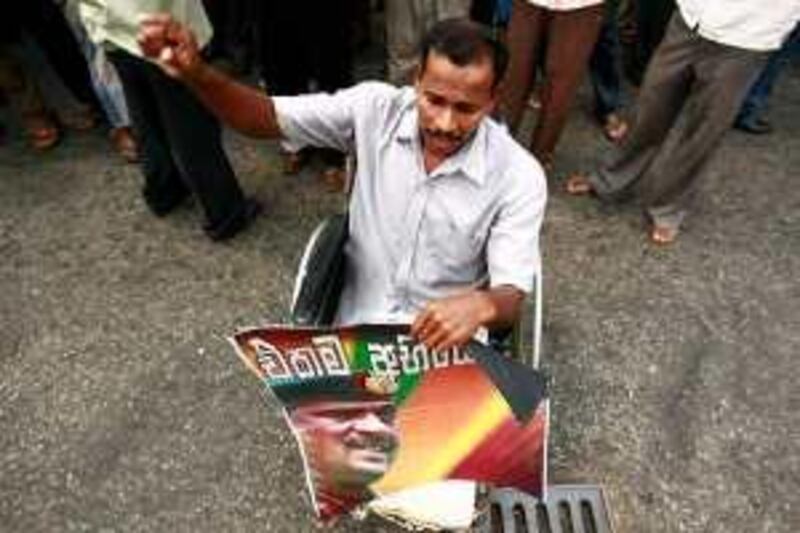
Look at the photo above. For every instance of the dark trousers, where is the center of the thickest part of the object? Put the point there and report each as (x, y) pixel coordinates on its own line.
(604, 68)
(692, 78)
(19, 87)
(180, 143)
(45, 23)
(302, 41)
(483, 11)
(565, 39)
(652, 17)
(234, 24)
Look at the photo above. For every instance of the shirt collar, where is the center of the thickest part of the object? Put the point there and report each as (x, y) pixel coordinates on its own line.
(470, 159)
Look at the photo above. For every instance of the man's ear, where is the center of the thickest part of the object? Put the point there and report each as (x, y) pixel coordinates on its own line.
(416, 74)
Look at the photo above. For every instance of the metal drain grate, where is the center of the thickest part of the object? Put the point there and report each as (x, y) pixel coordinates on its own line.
(568, 509)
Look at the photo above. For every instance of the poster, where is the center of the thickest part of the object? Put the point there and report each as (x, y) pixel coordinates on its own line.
(375, 413)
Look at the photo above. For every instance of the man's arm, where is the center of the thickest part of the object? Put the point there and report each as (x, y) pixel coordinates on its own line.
(453, 321)
(174, 48)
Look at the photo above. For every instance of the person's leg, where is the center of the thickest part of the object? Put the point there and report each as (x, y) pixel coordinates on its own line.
(109, 90)
(25, 98)
(46, 24)
(571, 38)
(195, 142)
(661, 98)
(333, 70)
(446, 9)
(603, 69)
(750, 118)
(332, 50)
(163, 187)
(483, 11)
(652, 19)
(525, 37)
(403, 31)
(107, 87)
(606, 82)
(722, 77)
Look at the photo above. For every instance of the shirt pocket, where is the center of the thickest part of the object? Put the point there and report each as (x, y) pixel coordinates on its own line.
(452, 248)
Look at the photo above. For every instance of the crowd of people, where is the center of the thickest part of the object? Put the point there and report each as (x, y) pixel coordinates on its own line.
(553, 45)
(709, 65)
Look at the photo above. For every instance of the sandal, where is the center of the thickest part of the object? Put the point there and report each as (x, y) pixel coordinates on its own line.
(41, 131)
(124, 144)
(578, 185)
(615, 127)
(663, 235)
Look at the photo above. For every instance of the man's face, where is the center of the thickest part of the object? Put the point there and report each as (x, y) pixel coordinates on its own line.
(451, 102)
(350, 443)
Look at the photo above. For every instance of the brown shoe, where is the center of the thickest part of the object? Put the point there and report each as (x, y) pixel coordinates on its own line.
(124, 143)
(578, 185)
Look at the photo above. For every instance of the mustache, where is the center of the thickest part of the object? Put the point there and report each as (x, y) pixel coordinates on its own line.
(383, 443)
(445, 135)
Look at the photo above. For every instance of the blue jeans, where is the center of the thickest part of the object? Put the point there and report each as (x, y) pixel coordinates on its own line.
(105, 81)
(757, 98)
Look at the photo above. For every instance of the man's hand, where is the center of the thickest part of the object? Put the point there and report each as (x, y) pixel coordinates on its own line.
(452, 321)
(174, 47)
(171, 45)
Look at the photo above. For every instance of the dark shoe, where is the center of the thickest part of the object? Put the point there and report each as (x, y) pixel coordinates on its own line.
(231, 227)
(753, 125)
(164, 205)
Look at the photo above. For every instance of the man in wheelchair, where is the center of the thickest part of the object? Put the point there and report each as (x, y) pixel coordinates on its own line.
(446, 207)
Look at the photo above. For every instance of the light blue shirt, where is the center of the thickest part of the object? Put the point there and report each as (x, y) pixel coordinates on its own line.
(474, 221)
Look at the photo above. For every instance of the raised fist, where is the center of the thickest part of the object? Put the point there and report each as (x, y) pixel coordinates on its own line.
(172, 45)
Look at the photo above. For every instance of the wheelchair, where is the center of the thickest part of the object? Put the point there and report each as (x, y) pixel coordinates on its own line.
(319, 280)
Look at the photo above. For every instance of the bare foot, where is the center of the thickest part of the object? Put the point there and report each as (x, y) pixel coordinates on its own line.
(615, 128)
(663, 235)
(578, 185)
(292, 162)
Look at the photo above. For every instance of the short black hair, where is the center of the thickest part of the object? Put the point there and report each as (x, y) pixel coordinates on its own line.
(464, 42)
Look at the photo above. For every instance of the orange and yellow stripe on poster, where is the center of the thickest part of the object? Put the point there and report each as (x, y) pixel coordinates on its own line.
(451, 412)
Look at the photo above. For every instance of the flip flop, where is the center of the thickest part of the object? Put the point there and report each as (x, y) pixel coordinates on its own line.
(42, 133)
(124, 144)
